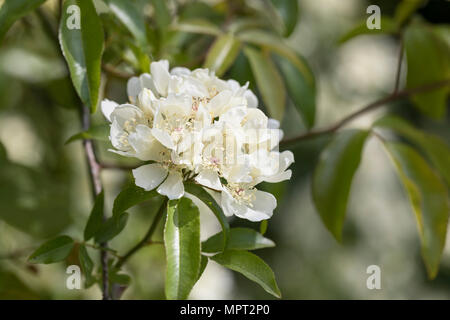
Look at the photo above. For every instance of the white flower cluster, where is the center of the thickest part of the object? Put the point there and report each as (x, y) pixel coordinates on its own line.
(194, 126)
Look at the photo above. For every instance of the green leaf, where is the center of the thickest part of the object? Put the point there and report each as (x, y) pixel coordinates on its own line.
(12, 10)
(333, 176)
(100, 133)
(95, 220)
(203, 264)
(222, 54)
(87, 265)
(405, 9)
(239, 239)
(52, 251)
(182, 242)
(301, 87)
(207, 199)
(251, 266)
(388, 26)
(269, 82)
(288, 10)
(429, 199)
(162, 14)
(263, 226)
(130, 197)
(428, 59)
(132, 18)
(112, 227)
(197, 25)
(434, 148)
(82, 49)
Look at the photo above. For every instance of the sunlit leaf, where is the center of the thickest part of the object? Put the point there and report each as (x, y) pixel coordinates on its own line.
(301, 87)
(428, 60)
(333, 177)
(132, 19)
(82, 49)
(239, 239)
(209, 201)
(251, 266)
(269, 82)
(434, 147)
(182, 242)
(222, 54)
(52, 251)
(429, 199)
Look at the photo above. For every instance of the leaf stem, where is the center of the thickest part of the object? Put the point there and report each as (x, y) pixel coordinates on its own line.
(147, 238)
(396, 95)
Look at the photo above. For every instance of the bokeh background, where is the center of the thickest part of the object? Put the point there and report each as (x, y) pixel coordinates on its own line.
(44, 186)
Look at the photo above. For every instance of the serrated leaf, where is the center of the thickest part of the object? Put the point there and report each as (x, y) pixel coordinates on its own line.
(434, 148)
(422, 45)
(429, 199)
(239, 239)
(209, 201)
(130, 197)
(87, 265)
(100, 133)
(301, 87)
(288, 10)
(388, 26)
(251, 266)
(52, 251)
(12, 10)
(95, 220)
(182, 242)
(82, 49)
(131, 18)
(332, 177)
(222, 54)
(269, 82)
(111, 227)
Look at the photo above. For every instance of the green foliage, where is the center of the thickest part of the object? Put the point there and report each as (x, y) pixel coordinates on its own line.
(288, 10)
(13, 10)
(239, 239)
(83, 50)
(95, 220)
(422, 45)
(251, 266)
(87, 265)
(429, 199)
(111, 227)
(333, 176)
(434, 148)
(182, 242)
(269, 82)
(207, 199)
(222, 54)
(130, 197)
(100, 133)
(388, 26)
(55, 250)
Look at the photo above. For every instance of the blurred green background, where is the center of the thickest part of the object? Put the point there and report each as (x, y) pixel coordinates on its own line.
(44, 186)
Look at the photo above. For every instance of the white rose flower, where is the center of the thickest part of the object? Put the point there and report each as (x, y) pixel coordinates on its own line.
(196, 127)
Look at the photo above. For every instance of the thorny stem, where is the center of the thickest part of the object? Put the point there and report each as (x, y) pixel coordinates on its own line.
(147, 238)
(97, 187)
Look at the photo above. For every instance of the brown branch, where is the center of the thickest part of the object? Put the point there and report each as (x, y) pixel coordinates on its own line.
(396, 95)
(97, 187)
(147, 238)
